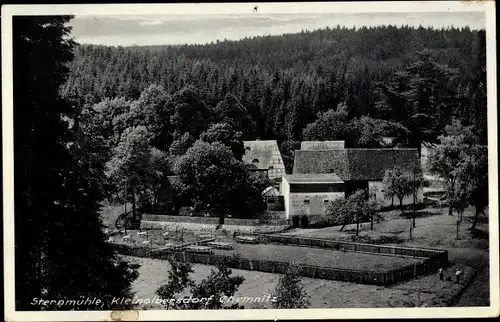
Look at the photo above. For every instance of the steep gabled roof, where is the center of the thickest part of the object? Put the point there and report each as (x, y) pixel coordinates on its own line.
(321, 145)
(355, 164)
(271, 191)
(260, 153)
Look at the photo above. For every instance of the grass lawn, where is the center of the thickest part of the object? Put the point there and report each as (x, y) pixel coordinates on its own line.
(434, 229)
(320, 257)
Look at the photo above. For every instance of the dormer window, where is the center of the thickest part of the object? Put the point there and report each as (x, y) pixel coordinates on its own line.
(255, 161)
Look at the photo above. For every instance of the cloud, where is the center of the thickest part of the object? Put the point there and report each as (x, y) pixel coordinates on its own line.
(161, 29)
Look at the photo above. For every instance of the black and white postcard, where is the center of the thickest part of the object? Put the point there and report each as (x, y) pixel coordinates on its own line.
(238, 161)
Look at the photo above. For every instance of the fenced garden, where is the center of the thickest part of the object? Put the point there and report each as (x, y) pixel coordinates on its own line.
(318, 258)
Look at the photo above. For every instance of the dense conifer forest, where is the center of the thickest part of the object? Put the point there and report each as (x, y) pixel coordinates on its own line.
(284, 81)
(357, 85)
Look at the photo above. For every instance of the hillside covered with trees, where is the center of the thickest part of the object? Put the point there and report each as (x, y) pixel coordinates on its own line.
(150, 105)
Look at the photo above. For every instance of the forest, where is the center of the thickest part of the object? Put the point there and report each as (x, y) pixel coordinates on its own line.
(357, 85)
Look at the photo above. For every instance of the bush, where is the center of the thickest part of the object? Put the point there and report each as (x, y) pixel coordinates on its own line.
(323, 223)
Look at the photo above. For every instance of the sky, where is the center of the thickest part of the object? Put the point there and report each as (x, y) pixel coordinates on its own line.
(140, 30)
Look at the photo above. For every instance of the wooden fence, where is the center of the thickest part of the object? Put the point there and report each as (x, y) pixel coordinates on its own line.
(331, 273)
(354, 247)
(384, 278)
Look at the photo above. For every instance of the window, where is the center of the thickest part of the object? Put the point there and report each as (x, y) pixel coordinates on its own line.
(306, 201)
(255, 161)
(326, 201)
(271, 167)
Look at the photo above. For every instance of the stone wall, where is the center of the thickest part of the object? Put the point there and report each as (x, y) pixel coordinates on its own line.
(199, 227)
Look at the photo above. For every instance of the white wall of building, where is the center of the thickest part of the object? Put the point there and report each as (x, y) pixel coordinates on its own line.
(378, 188)
(311, 203)
(276, 166)
(285, 190)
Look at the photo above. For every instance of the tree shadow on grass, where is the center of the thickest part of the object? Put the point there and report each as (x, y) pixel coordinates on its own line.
(420, 214)
(379, 240)
(479, 234)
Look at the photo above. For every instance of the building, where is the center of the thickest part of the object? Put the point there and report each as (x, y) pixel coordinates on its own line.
(424, 156)
(310, 193)
(359, 168)
(264, 157)
(274, 199)
(322, 145)
(387, 141)
(165, 200)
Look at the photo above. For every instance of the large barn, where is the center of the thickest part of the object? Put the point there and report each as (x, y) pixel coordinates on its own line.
(358, 168)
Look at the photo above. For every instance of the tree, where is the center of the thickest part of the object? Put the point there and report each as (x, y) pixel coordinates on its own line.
(58, 180)
(417, 182)
(149, 111)
(130, 163)
(479, 196)
(219, 283)
(367, 132)
(290, 292)
(445, 159)
(188, 112)
(225, 134)
(232, 112)
(399, 182)
(420, 98)
(463, 162)
(110, 119)
(354, 209)
(181, 145)
(214, 179)
(158, 168)
(330, 125)
(178, 280)
(287, 149)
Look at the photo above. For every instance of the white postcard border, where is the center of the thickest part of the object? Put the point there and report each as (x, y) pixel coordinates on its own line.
(245, 8)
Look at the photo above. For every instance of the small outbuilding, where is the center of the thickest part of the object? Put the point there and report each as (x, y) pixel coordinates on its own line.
(310, 193)
(274, 199)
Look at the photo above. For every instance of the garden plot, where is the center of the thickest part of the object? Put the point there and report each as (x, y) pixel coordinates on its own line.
(319, 257)
(160, 239)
